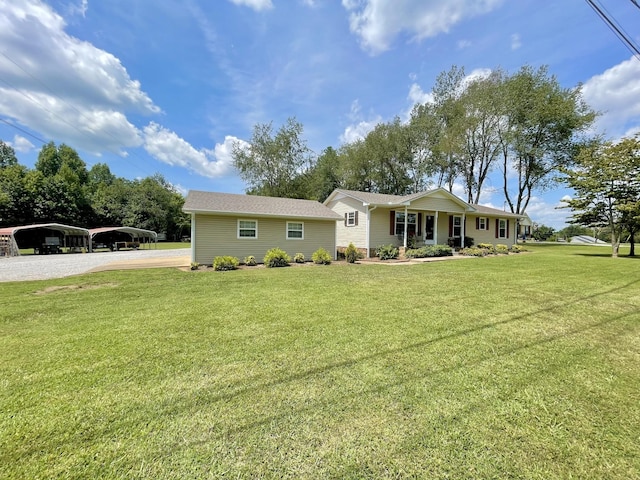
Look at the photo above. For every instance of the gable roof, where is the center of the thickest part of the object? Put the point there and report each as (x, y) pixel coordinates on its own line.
(387, 200)
(382, 199)
(238, 204)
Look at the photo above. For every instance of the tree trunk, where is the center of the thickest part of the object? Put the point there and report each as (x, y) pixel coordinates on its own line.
(632, 249)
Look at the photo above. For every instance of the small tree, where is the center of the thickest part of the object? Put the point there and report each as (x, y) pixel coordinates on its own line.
(606, 180)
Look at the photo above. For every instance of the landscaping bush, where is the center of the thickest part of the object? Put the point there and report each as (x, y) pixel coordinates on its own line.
(488, 247)
(298, 258)
(517, 249)
(195, 265)
(250, 261)
(387, 252)
(502, 249)
(276, 257)
(321, 257)
(474, 252)
(430, 251)
(224, 263)
(351, 254)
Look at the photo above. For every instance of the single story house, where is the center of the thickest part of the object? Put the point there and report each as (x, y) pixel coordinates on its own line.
(433, 217)
(243, 225)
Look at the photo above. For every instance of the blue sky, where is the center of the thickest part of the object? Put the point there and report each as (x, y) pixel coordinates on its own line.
(157, 86)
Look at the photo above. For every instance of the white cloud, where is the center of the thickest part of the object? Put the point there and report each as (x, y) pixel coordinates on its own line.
(255, 4)
(516, 43)
(359, 127)
(378, 22)
(21, 144)
(63, 87)
(616, 94)
(168, 147)
(417, 95)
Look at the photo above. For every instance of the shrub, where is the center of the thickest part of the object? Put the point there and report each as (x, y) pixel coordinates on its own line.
(250, 261)
(517, 249)
(351, 254)
(430, 251)
(502, 249)
(195, 265)
(474, 252)
(321, 257)
(276, 257)
(487, 247)
(298, 258)
(387, 252)
(224, 263)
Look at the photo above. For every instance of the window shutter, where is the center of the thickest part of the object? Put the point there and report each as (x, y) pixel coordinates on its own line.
(392, 222)
(419, 228)
(346, 215)
(451, 225)
(356, 217)
(497, 228)
(486, 223)
(477, 223)
(507, 228)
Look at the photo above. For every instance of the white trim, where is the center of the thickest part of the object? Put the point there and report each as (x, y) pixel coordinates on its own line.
(247, 220)
(294, 238)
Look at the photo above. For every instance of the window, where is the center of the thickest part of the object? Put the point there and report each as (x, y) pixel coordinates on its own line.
(482, 223)
(429, 228)
(411, 223)
(295, 231)
(502, 228)
(457, 226)
(247, 229)
(351, 219)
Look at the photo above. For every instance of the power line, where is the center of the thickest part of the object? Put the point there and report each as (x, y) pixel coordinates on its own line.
(615, 28)
(23, 131)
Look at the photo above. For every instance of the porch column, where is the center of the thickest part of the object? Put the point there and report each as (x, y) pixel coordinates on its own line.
(406, 221)
(435, 228)
(464, 217)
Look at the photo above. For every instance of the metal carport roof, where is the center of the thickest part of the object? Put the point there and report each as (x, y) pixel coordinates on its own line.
(7, 234)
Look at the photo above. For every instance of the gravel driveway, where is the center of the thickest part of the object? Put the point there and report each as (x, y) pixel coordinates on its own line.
(42, 267)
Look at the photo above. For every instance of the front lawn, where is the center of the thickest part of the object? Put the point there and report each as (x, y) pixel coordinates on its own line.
(519, 366)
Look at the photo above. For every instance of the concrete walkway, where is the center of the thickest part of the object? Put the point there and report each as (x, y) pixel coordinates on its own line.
(43, 267)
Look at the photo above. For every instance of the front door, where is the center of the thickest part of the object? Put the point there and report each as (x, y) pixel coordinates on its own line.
(429, 230)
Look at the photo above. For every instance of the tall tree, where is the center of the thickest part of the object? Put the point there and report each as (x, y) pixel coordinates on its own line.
(271, 162)
(606, 181)
(544, 122)
(7, 155)
(483, 115)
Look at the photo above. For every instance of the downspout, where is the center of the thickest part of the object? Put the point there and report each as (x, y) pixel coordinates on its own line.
(193, 237)
(368, 230)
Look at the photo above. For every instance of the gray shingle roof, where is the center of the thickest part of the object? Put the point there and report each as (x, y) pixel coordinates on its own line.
(495, 212)
(233, 203)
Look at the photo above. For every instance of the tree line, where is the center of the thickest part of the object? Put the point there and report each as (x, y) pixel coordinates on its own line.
(524, 125)
(60, 189)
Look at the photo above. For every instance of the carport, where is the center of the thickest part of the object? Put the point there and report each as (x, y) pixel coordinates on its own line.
(44, 238)
(116, 238)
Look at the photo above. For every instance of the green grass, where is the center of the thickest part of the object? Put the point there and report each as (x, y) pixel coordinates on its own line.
(526, 366)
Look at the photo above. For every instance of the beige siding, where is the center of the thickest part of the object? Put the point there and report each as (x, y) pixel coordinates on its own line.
(217, 235)
(489, 236)
(436, 203)
(356, 234)
(381, 228)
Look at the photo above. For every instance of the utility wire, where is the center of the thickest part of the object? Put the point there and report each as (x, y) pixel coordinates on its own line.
(83, 116)
(23, 131)
(615, 28)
